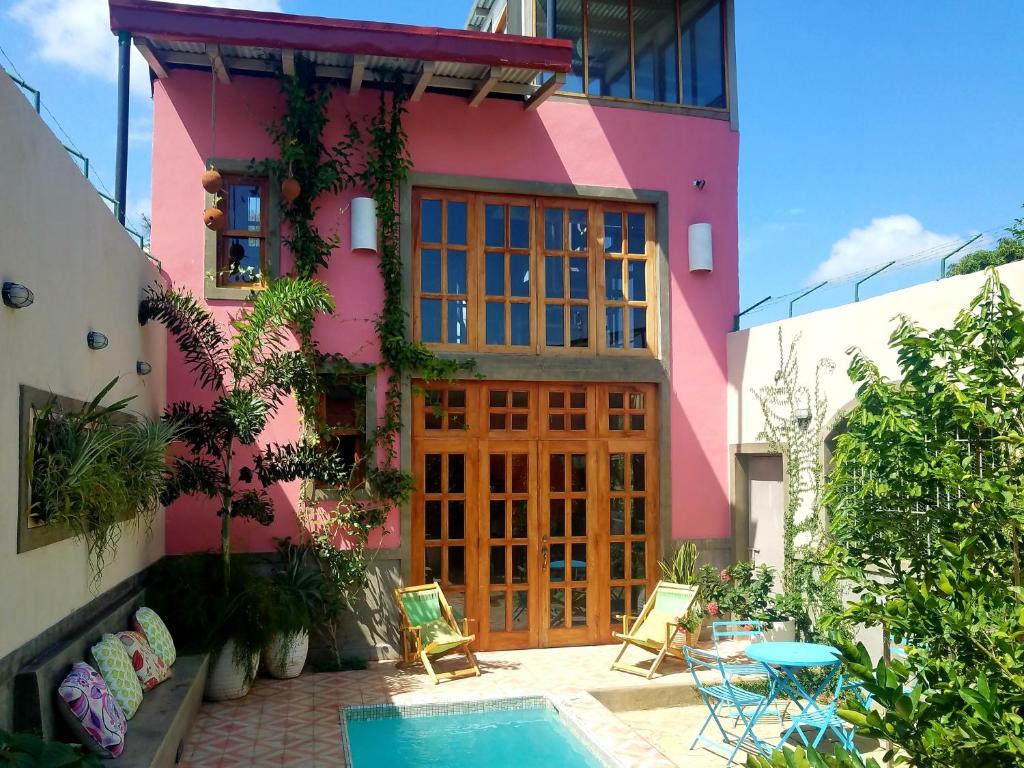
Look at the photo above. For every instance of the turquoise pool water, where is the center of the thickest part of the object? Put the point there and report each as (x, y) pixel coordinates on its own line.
(524, 738)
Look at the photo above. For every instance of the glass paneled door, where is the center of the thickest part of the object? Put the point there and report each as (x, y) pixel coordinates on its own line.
(568, 541)
(536, 506)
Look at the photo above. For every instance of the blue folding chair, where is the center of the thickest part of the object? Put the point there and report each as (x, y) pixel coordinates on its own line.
(750, 630)
(824, 719)
(721, 694)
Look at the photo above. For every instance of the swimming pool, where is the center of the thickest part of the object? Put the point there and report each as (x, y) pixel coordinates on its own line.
(490, 733)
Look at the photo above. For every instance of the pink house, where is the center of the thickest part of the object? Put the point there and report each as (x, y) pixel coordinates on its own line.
(547, 232)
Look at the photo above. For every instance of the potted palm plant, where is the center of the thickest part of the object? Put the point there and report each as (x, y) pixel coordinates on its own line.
(250, 372)
(681, 568)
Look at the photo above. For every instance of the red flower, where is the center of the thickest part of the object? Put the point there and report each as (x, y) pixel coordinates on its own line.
(713, 608)
(724, 575)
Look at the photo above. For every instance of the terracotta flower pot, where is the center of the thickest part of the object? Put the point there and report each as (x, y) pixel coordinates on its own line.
(212, 181)
(214, 219)
(290, 189)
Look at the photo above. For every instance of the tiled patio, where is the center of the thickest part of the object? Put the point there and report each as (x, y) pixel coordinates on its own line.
(296, 722)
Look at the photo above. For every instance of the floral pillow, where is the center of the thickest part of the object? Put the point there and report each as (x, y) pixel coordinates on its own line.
(114, 663)
(91, 711)
(148, 666)
(152, 626)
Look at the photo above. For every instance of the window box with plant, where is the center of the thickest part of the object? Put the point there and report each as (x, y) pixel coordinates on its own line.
(93, 470)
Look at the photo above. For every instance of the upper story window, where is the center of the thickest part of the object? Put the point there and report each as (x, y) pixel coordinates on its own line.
(658, 51)
(242, 244)
(498, 273)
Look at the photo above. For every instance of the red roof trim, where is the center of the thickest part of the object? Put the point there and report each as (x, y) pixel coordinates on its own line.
(199, 24)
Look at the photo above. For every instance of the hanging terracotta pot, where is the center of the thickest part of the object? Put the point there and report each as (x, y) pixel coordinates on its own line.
(212, 181)
(214, 219)
(290, 189)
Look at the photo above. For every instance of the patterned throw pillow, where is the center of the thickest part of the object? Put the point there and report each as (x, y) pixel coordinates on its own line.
(149, 667)
(91, 711)
(152, 626)
(112, 661)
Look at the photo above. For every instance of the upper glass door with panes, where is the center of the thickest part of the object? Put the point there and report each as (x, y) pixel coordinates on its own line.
(534, 275)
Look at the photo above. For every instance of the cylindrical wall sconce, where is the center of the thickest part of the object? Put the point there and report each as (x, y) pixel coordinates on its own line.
(700, 248)
(96, 340)
(143, 368)
(364, 224)
(17, 296)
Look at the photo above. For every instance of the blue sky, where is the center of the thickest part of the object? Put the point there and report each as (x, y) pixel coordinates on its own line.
(870, 131)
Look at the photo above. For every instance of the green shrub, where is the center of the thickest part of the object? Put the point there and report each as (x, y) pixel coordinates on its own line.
(23, 750)
(94, 470)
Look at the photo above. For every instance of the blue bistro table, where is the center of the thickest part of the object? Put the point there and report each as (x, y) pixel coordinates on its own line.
(783, 661)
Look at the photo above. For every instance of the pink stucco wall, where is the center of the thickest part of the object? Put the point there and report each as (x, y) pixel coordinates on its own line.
(561, 142)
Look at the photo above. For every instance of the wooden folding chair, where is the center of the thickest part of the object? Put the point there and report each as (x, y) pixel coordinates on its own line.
(430, 631)
(656, 626)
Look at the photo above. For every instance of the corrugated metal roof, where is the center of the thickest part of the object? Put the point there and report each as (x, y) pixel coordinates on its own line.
(481, 63)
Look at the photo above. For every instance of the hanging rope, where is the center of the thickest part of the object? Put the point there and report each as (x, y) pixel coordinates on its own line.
(213, 113)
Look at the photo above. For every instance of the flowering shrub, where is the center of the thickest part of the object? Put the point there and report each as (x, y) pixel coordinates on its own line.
(742, 590)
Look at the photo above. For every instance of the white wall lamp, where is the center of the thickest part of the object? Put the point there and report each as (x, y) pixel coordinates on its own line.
(364, 225)
(700, 248)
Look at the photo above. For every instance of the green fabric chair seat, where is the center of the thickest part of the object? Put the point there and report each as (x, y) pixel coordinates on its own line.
(438, 633)
(653, 629)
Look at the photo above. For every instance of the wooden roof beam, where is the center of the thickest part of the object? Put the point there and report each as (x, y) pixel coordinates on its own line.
(151, 57)
(551, 85)
(485, 86)
(217, 61)
(288, 61)
(358, 72)
(422, 81)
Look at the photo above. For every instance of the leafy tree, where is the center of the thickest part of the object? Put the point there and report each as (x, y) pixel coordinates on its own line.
(1007, 250)
(809, 758)
(249, 372)
(926, 500)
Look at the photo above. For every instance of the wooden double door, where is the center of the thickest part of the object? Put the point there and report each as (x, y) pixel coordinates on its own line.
(536, 506)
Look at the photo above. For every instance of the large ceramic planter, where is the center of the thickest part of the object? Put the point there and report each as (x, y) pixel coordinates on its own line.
(227, 679)
(285, 655)
(780, 631)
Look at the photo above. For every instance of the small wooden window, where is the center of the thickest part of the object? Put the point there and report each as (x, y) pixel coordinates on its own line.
(628, 245)
(242, 244)
(342, 413)
(442, 280)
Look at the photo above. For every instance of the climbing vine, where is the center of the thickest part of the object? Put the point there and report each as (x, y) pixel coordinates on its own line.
(387, 168)
(794, 421)
(373, 155)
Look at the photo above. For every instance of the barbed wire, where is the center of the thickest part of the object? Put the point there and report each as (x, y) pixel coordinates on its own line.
(96, 178)
(983, 240)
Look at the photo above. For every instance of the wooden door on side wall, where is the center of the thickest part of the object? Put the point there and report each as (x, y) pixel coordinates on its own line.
(536, 506)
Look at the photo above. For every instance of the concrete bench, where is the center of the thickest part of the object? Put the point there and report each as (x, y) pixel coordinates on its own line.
(157, 732)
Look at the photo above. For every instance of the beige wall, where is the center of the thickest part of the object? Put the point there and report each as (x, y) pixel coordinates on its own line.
(753, 357)
(753, 353)
(58, 238)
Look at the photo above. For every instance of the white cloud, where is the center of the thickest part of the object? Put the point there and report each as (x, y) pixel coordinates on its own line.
(898, 238)
(77, 33)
